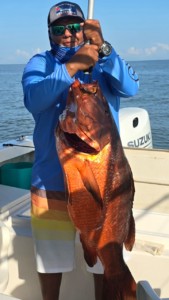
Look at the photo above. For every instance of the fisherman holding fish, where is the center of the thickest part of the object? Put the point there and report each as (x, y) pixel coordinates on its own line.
(46, 81)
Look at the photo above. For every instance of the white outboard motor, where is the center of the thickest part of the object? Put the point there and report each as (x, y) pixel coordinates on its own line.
(135, 129)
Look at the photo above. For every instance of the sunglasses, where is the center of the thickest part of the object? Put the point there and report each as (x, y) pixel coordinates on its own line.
(60, 29)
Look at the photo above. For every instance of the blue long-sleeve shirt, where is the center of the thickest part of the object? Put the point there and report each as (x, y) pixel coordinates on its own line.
(45, 84)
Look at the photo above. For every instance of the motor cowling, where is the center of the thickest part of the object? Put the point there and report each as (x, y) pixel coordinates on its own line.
(135, 128)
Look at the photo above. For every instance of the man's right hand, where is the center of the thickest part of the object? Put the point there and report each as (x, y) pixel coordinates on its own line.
(83, 59)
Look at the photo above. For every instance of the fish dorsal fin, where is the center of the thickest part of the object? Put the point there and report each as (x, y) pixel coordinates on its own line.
(90, 182)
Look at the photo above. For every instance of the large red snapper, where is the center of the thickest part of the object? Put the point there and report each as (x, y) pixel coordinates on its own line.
(99, 184)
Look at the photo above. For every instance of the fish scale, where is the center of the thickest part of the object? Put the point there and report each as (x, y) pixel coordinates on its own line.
(100, 186)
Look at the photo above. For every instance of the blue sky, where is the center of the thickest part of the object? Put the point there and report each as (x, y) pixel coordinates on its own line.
(138, 30)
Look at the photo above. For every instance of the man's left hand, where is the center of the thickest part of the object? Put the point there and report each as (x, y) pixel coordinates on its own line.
(92, 32)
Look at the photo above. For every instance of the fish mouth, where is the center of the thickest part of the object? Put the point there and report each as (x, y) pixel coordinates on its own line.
(78, 144)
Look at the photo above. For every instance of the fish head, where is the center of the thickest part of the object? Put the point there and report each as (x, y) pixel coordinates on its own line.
(87, 115)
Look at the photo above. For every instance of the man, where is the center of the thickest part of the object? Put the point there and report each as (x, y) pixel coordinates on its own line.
(46, 81)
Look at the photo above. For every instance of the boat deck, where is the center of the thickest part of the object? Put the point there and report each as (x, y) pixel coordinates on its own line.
(149, 259)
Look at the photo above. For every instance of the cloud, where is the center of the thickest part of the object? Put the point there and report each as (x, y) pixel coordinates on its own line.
(157, 49)
(133, 51)
(150, 51)
(22, 53)
(164, 47)
(25, 54)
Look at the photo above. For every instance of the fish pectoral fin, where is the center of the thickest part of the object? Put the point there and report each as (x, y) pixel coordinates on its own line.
(90, 182)
(90, 254)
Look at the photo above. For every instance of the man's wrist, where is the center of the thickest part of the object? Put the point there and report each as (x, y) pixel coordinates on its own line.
(105, 49)
(71, 68)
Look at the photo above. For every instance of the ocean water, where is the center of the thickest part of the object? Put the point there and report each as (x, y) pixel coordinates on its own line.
(153, 96)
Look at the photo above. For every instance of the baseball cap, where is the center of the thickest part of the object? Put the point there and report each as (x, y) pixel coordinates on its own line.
(65, 9)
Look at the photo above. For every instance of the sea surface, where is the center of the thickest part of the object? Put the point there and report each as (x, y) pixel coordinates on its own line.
(153, 96)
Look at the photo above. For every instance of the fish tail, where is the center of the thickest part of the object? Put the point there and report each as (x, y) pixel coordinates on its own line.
(121, 286)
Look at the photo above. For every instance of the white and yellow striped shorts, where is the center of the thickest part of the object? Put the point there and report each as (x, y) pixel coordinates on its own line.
(53, 233)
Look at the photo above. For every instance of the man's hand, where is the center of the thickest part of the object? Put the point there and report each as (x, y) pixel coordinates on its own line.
(93, 33)
(83, 59)
(88, 54)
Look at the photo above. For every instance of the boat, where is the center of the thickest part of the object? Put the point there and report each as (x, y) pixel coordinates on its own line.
(149, 260)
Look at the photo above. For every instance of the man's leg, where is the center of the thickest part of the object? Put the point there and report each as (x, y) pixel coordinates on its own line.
(98, 285)
(50, 285)
(97, 271)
